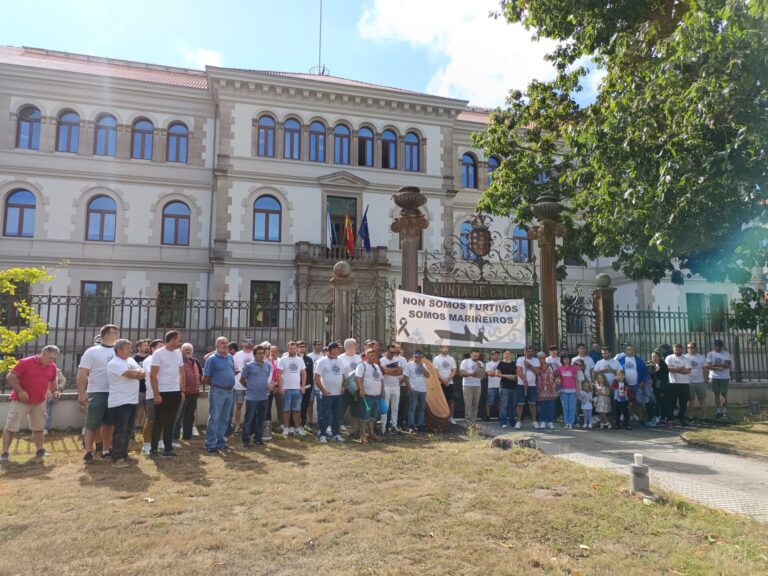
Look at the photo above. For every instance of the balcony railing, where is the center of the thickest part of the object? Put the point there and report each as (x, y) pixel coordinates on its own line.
(321, 253)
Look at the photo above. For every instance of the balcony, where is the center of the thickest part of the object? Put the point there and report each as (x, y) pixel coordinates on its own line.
(308, 253)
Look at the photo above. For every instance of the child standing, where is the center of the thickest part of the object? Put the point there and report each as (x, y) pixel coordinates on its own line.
(603, 392)
(621, 398)
(585, 395)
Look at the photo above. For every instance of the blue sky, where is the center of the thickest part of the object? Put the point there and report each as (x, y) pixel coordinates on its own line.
(445, 47)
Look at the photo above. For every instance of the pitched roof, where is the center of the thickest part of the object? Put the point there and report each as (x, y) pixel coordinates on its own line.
(471, 114)
(107, 67)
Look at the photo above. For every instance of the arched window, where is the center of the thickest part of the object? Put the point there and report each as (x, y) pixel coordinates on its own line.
(102, 219)
(388, 150)
(341, 144)
(176, 224)
(267, 214)
(468, 171)
(28, 130)
(68, 132)
(317, 142)
(493, 163)
(20, 214)
(412, 152)
(292, 145)
(266, 137)
(178, 143)
(521, 245)
(105, 143)
(464, 239)
(365, 147)
(141, 139)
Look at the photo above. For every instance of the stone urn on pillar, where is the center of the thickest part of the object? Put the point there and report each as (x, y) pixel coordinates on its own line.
(547, 210)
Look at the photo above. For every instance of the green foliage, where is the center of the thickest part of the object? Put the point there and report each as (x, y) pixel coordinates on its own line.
(35, 326)
(667, 170)
(751, 313)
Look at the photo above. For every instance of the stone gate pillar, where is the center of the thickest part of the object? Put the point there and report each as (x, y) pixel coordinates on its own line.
(602, 297)
(342, 301)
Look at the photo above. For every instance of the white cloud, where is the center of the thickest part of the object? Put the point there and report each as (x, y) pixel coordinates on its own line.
(481, 59)
(201, 57)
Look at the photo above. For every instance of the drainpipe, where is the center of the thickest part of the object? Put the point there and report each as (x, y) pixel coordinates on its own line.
(212, 206)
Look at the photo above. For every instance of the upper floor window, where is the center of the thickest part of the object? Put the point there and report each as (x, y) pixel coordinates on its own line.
(105, 143)
(178, 142)
(365, 147)
(20, 214)
(68, 132)
(102, 219)
(176, 224)
(266, 137)
(28, 131)
(317, 142)
(341, 144)
(388, 149)
(468, 171)
(412, 152)
(521, 245)
(493, 163)
(141, 139)
(267, 214)
(292, 145)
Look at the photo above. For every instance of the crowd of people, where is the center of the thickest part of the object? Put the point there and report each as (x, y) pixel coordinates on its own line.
(152, 387)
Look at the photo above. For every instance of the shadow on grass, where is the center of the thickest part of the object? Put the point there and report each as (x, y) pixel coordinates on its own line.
(30, 468)
(103, 475)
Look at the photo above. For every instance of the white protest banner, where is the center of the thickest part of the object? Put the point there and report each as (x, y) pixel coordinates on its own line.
(424, 319)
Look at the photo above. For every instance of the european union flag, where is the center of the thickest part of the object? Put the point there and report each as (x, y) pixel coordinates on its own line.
(363, 234)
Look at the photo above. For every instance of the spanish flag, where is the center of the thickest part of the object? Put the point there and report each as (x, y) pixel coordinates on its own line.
(349, 235)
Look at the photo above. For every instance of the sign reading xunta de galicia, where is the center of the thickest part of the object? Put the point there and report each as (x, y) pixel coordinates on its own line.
(423, 319)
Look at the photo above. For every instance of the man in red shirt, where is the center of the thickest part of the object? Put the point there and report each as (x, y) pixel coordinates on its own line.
(31, 379)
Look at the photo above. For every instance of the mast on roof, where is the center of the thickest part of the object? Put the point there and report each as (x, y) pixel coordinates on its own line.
(320, 69)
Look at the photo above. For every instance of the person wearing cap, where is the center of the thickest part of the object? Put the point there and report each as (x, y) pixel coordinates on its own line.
(369, 387)
(241, 358)
(718, 362)
(528, 369)
(329, 380)
(416, 376)
(393, 367)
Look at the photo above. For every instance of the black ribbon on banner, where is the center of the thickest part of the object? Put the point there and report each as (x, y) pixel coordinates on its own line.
(403, 323)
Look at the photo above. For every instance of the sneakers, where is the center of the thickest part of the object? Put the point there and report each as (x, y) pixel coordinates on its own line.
(170, 454)
(195, 431)
(46, 432)
(323, 440)
(397, 430)
(627, 427)
(634, 418)
(568, 426)
(4, 458)
(212, 450)
(88, 458)
(550, 425)
(328, 431)
(452, 420)
(120, 464)
(518, 425)
(503, 426)
(41, 453)
(146, 447)
(301, 432)
(338, 438)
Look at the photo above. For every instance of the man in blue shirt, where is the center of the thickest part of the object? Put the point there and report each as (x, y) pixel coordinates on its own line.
(219, 374)
(257, 379)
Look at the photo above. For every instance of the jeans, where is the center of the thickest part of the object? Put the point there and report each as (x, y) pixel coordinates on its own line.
(220, 402)
(330, 410)
(674, 393)
(188, 415)
(50, 402)
(417, 404)
(568, 400)
(392, 398)
(306, 402)
(165, 418)
(253, 423)
(507, 411)
(471, 403)
(547, 410)
(122, 418)
(621, 409)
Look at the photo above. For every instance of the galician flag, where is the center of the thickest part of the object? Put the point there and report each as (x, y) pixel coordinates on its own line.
(349, 235)
(363, 234)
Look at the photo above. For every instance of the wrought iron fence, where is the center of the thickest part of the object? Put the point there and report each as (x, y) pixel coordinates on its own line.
(649, 329)
(74, 322)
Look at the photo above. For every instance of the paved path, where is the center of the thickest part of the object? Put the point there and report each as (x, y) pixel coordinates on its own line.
(718, 480)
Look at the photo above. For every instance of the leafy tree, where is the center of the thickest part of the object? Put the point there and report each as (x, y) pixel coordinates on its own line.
(35, 326)
(666, 170)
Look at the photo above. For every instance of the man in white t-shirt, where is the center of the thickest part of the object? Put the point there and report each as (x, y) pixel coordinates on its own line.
(329, 381)
(493, 394)
(166, 377)
(607, 366)
(350, 359)
(369, 380)
(472, 371)
(93, 391)
(698, 385)
(589, 364)
(719, 366)
(317, 351)
(528, 368)
(393, 367)
(241, 358)
(445, 366)
(149, 398)
(123, 374)
(678, 391)
(417, 374)
(292, 377)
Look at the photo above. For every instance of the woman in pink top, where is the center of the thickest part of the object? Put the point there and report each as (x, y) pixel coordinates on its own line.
(568, 390)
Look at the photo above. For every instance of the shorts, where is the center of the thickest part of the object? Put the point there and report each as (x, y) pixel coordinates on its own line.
(699, 390)
(239, 396)
(449, 392)
(522, 398)
(369, 408)
(149, 409)
(492, 397)
(635, 390)
(97, 412)
(292, 400)
(720, 385)
(19, 410)
(142, 398)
